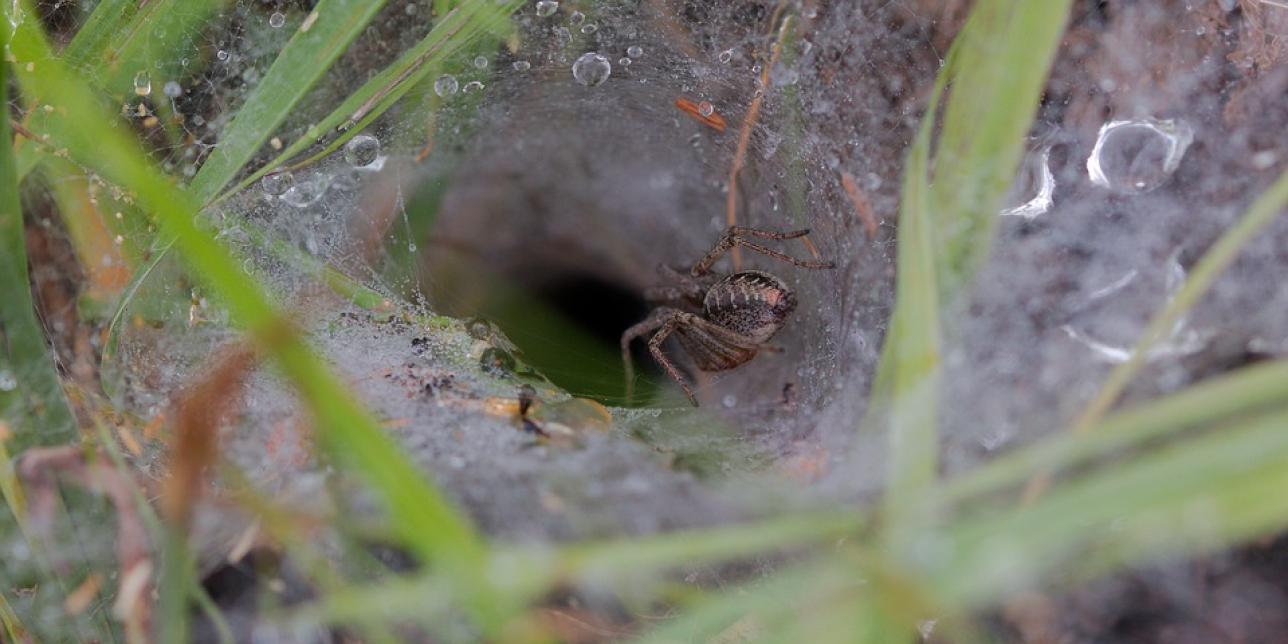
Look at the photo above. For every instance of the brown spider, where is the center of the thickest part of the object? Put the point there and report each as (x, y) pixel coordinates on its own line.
(721, 322)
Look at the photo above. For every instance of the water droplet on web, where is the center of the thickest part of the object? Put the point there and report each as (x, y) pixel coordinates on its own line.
(576, 18)
(277, 183)
(1137, 156)
(1109, 335)
(1035, 179)
(7, 381)
(480, 62)
(172, 89)
(634, 51)
(276, 20)
(624, 62)
(547, 8)
(362, 150)
(305, 193)
(590, 28)
(221, 55)
(522, 65)
(705, 108)
(142, 84)
(726, 56)
(446, 85)
(729, 401)
(592, 69)
(496, 361)
(472, 86)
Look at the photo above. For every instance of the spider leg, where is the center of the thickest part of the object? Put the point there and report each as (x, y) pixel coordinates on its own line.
(656, 319)
(682, 287)
(737, 236)
(655, 348)
(670, 294)
(766, 234)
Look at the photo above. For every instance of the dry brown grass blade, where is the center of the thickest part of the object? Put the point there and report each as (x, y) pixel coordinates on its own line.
(40, 469)
(712, 120)
(194, 444)
(862, 206)
(749, 123)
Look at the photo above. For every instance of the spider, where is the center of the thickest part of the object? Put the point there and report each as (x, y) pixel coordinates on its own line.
(721, 322)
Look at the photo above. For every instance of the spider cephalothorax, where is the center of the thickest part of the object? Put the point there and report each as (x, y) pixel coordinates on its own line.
(721, 322)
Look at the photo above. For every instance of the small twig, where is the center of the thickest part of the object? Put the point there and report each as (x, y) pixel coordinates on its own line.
(744, 135)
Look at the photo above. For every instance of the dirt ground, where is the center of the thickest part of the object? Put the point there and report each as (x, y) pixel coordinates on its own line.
(561, 191)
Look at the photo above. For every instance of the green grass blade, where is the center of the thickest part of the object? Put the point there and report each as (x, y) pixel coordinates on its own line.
(630, 556)
(13, 628)
(452, 34)
(419, 512)
(998, 73)
(1219, 489)
(910, 366)
(331, 26)
(146, 34)
(124, 37)
(32, 402)
(1248, 389)
(619, 563)
(1223, 253)
(718, 614)
(996, 70)
(110, 18)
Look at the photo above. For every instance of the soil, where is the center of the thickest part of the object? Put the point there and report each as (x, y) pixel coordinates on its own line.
(559, 192)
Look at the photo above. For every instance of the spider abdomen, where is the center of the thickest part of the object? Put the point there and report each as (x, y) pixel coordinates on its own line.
(752, 303)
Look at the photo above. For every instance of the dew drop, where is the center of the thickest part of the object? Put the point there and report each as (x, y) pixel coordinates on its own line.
(547, 8)
(522, 65)
(472, 86)
(277, 183)
(592, 69)
(362, 150)
(726, 56)
(1137, 156)
(305, 193)
(624, 61)
(1035, 179)
(142, 84)
(221, 55)
(576, 18)
(480, 62)
(705, 108)
(446, 85)
(276, 20)
(729, 401)
(497, 362)
(634, 51)
(590, 28)
(172, 89)
(7, 381)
